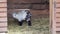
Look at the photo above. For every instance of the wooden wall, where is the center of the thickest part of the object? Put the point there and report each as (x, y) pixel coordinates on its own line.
(28, 4)
(37, 7)
(3, 16)
(58, 16)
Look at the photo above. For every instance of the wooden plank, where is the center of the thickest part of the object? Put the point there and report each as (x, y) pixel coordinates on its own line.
(3, 24)
(3, 4)
(57, 0)
(3, 0)
(58, 25)
(3, 19)
(57, 15)
(57, 32)
(57, 19)
(26, 1)
(3, 9)
(4, 29)
(3, 14)
(57, 29)
(57, 5)
(57, 10)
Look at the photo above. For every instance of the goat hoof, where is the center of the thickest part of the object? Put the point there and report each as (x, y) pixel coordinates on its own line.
(29, 25)
(20, 24)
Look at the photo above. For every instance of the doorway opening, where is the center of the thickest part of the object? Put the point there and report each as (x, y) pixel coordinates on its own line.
(40, 16)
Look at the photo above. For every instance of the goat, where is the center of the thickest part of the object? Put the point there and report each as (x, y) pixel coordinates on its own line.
(22, 16)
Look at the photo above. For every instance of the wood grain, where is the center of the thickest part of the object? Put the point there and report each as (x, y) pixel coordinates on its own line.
(3, 0)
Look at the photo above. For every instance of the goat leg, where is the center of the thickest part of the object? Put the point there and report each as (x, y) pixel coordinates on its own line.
(20, 23)
(29, 23)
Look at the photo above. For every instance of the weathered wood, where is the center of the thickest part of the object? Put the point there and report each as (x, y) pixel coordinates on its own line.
(58, 25)
(3, 24)
(28, 6)
(57, 15)
(57, 0)
(4, 29)
(57, 10)
(3, 14)
(57, 5)
(3, 9)
(53, 17)
(25, 1)
(3, 0)
(57, 32)
(57, 29)
(57, 19)
(3, 19)
(3, 5)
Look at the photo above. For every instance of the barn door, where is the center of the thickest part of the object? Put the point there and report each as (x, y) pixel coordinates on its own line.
(3, 16)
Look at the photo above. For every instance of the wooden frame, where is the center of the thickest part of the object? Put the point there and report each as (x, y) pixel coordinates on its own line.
(52, 15)
(52, 18)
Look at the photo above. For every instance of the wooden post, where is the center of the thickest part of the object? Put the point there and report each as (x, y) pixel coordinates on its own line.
(52, 17)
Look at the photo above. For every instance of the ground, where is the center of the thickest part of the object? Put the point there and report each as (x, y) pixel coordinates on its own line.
(39, 26)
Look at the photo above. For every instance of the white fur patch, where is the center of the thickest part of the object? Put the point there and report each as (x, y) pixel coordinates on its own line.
(20, 16)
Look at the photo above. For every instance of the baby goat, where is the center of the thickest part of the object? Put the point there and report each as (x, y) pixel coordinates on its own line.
(22, 16)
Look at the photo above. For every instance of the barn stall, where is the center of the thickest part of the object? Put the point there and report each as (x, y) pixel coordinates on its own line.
(55, 27)
(40, 15)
